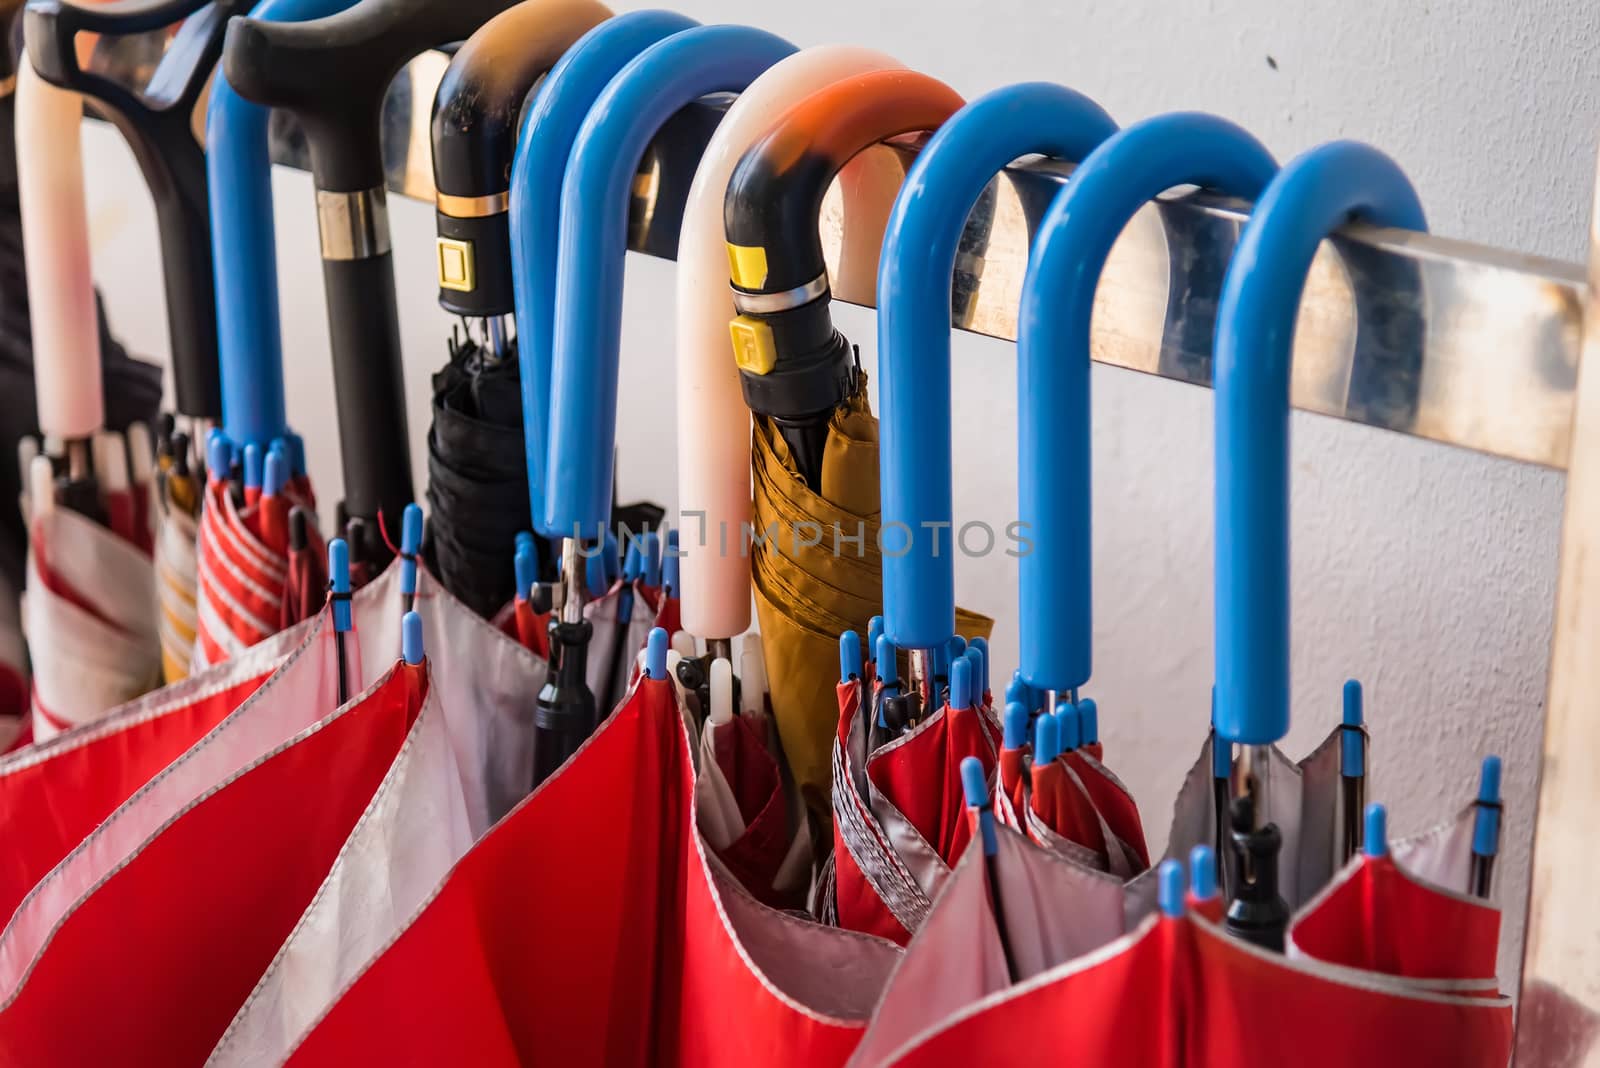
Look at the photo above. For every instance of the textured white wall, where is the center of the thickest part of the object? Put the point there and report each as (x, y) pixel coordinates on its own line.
(1426, 573)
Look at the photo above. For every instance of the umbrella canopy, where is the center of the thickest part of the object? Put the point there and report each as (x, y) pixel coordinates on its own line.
(477, 481)
(606, 152)
(290, 65)
(460, 761)
(56, 793)
(87, 614)
(815, 556)
(665, 960)
(1173, 990)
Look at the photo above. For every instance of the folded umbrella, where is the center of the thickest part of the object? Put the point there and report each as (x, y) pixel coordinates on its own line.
(477, 480)
(459, 762)
(815, 550)
(1318, 191)
(664, 960)
(290, 65)
(588, 321)
(713, 421)
(89, 589)
(158, 124)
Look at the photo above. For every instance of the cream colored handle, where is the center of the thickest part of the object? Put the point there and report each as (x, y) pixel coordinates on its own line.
(55, 240)
(713, 422)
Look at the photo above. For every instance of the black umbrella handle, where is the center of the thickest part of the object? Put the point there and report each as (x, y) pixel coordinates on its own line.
(475, 118)
(157, 124)
(333, 74)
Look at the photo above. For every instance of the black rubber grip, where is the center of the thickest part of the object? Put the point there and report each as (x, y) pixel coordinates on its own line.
(369, 387)
(333, 73)
(476, 113)
(157, 124)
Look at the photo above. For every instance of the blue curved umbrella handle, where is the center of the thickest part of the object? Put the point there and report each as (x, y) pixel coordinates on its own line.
(244, 248)
(914, 275)
(1313, 195)
(1053, 409)
(549, 126)
(595, 196)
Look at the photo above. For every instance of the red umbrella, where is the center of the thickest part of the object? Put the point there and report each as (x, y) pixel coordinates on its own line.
(56, 793)
(168, 945)
(664, 959)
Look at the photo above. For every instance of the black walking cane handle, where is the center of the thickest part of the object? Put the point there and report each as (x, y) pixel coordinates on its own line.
(333, 73)
(158, 126)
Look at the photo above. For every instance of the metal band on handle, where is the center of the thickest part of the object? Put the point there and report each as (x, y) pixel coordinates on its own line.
(473, 207)
(768, 303)
(354, 226)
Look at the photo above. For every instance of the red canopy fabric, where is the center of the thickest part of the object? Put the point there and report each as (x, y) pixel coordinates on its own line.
(919, 774)
(167, 948)
(54, 794)
(612, 939)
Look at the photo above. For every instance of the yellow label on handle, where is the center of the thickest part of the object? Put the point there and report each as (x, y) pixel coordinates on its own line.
(747, 266)
(753, 347)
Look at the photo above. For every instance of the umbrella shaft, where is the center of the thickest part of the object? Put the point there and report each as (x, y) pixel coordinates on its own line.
(720, 649)
(1253, 779)
(574, 571)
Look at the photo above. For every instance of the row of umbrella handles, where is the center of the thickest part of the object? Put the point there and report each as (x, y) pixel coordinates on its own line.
(511, 246)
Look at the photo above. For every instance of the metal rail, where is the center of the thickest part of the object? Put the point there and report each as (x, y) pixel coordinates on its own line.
(1460, 343)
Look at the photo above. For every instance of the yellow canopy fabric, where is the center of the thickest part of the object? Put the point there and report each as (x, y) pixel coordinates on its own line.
(817, 573)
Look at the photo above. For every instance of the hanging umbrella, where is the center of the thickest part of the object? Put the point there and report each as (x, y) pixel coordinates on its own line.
(1318, 191)
(132, 390)
(908, 781)
(156, 119)
(549, 127)
(458, 764)
(261, 560)
(664, 960)
(477, 481)
(290, 65)
(89, 590)
(815, 557)
(713, 421)
(588, 320)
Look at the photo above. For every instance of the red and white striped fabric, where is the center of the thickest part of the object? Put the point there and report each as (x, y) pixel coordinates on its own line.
(244, 589)
(422, 790)
(87, 613)
(608, 937)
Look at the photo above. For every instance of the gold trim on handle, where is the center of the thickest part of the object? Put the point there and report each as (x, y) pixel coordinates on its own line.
(472, 207)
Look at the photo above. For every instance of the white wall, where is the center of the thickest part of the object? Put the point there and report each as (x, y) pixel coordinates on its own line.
(1427, 573)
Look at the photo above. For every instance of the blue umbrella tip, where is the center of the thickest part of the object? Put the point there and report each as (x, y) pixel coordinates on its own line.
(655, 653)
(974, 782)
(1171, 888)
(411, 638)
(1352, 703)
(1066, 717)
(652, 559)
(1016, 725)
(888, 670)
(849, 656)
(411, 529)
(874, 632)
(1046, 740)
(1088, 722)
(961, 682)
(526, 571)
(632, 561)
(524, 538)
(253, 465)
(339, 565)
(219, 454)
(276, 475)
(958, 646)
(1203, 872)
(1489, 781)
(1376, 842)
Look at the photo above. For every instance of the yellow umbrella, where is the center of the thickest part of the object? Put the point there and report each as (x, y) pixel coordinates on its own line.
(817, 572)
